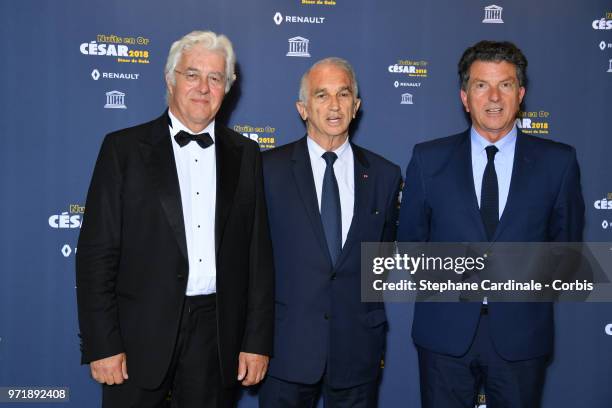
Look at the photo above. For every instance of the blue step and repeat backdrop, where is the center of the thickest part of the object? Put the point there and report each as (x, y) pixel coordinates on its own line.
(73, 71)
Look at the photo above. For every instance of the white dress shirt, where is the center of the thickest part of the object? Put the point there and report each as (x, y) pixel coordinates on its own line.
(504, 162)
(344, 169)
(197, 174)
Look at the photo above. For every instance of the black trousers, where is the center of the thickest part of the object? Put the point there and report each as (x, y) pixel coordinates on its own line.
(454, 382)
(193, 379)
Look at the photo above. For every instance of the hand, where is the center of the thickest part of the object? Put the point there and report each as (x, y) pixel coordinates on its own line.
(252, 368)
(110, 370)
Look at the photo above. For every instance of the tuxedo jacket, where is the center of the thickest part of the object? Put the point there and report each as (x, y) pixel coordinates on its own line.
(132, 267)
(439, 204)
(320, 322)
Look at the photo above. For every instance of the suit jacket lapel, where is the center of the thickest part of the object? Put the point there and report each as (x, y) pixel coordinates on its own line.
(462, 167)
(228, 158)
(364, 194)
(302, 173)
(521, 170)
(158, 156)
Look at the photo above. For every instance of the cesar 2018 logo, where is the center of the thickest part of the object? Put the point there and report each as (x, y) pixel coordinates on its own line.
(71, 219)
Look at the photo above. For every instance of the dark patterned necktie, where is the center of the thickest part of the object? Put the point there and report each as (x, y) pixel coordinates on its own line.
(489, 195)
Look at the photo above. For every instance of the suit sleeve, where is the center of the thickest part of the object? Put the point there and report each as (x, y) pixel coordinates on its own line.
(390, 228)
(259, 329)
(567, 219)
(97, 259)
(414, 216)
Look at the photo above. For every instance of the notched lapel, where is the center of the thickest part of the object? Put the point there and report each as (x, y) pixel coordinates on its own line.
(228, 158)
(521, 171)
(158, 157)
(302, 174)
(365, 182)
(462, 167)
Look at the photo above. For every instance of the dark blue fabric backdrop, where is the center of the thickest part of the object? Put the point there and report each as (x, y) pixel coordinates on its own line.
(63, 59)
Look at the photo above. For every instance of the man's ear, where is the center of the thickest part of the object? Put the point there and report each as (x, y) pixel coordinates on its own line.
(464, 101)
(301, 108)
(169, 87)
(356, 107)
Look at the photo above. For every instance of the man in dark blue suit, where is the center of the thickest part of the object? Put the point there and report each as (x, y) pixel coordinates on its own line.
(325, 196)
(505, 186)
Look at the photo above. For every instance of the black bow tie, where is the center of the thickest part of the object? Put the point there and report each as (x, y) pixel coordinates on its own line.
(203, 139)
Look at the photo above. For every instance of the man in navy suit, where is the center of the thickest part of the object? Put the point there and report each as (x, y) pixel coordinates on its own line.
(505, 186)
(325, 196)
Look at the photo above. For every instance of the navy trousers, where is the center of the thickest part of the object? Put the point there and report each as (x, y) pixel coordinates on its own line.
(454, 382)
(277, 393)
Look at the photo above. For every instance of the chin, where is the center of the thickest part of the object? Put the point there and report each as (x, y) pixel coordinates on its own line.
(336, 133)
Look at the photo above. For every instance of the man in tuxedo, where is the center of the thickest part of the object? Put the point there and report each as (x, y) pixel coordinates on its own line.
(174, 268)
(505, 186)
(325, 196)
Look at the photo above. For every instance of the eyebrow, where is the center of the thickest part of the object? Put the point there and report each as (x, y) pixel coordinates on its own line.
(344, 88)
(503, 80)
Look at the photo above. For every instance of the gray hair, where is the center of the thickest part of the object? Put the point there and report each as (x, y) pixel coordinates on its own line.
(211, 42)
(338, 62)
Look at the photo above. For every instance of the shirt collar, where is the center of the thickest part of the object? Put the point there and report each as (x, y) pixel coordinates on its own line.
(176, 126)
(505, 144)
(317, 151)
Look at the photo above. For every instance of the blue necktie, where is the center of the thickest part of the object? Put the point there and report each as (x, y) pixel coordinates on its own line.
(330, 208)
(489, 195)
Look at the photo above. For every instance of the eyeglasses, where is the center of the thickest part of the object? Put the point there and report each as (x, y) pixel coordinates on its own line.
(215, 79)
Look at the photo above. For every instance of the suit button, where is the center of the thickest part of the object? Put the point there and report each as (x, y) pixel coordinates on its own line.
(180, 276)
(333, 276)
(326, 316)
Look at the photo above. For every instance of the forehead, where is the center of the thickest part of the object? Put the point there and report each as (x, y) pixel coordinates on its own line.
(198, 57)
(492, 70)
(328, 76)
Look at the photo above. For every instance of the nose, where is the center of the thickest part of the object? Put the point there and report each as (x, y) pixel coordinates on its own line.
(203, 86)
(334, 103)
(494, 94)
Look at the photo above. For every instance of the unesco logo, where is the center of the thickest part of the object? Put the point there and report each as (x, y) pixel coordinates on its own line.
(493, 14)
(298, 47)
(115, 100)
(406, 99)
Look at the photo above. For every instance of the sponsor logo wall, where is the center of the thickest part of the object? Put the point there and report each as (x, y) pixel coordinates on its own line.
(603, 25)
(99, 67)
(412, 74)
